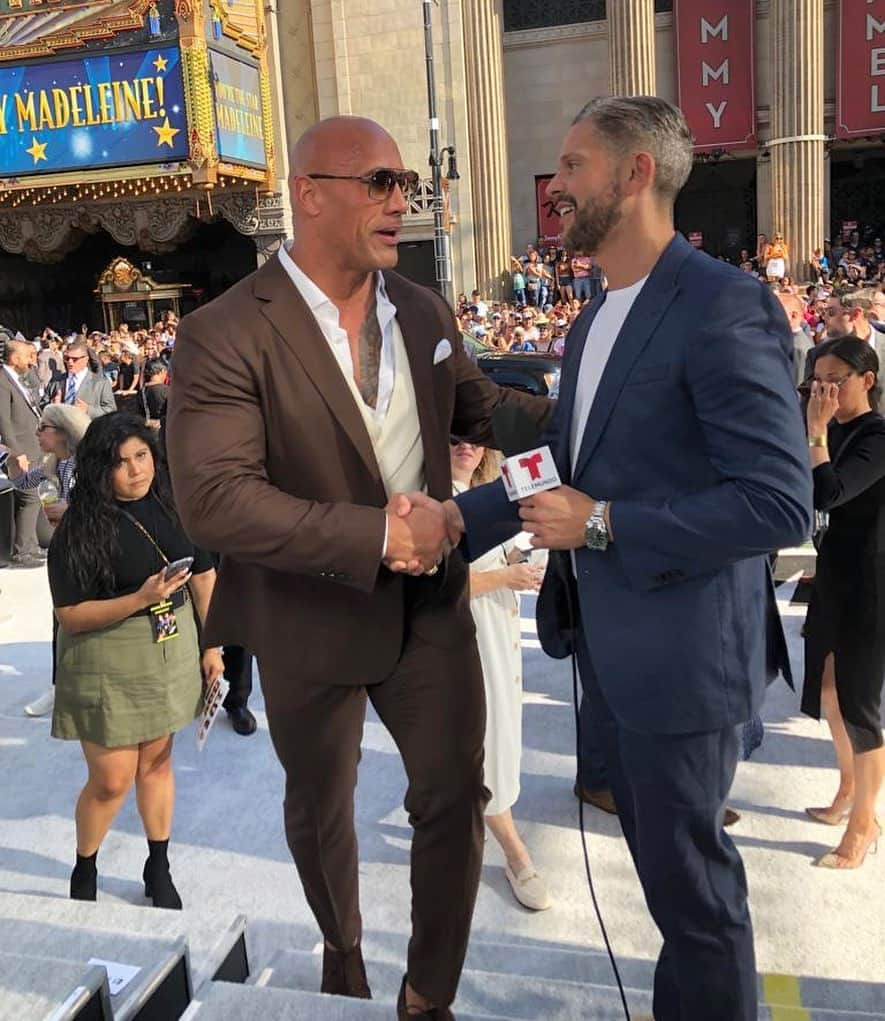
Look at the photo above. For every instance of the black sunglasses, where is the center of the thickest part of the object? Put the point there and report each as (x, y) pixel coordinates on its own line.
(381, 182)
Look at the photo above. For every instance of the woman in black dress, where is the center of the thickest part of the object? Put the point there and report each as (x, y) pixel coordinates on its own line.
(845, 630)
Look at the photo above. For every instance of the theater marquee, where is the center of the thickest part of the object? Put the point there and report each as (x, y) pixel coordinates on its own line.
(113, 98)
(716, 72)
(102, 111)
(860, 68)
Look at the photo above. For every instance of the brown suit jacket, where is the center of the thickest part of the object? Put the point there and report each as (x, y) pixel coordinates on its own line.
(272, 467)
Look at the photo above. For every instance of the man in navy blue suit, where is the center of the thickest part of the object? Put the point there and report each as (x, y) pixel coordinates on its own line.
(684, 462)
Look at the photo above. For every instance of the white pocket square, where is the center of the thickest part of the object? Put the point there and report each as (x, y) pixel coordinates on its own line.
(443, 351)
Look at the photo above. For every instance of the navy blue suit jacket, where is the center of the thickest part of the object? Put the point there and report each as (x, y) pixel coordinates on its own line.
(696, 438)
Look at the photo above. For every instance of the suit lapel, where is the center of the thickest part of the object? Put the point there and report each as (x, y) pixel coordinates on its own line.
(288, 313)
(420, 339)
(641, 322)
(18, 394)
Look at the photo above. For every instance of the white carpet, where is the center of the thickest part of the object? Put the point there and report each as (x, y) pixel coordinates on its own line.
(228, 847)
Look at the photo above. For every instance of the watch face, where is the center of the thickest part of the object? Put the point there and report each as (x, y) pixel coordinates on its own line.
(596, 537)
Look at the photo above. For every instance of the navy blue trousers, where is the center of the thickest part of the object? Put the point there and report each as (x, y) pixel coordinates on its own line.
(670, 790)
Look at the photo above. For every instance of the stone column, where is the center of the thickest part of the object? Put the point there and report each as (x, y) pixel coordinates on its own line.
(797, 128)
(631, 47)
(487, 132)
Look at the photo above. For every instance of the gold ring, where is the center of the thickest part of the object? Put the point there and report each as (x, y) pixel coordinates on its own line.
(433, 570)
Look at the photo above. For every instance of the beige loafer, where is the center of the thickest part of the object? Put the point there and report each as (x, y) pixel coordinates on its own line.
(528, 888)
(41, 706)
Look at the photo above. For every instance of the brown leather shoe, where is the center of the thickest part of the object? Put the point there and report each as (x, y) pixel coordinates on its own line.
(731, 817)
(344, 973)
(433, 1014)
(602, 800)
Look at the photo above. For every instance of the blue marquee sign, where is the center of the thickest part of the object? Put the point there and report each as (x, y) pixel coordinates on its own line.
(110, 110)
(238, 113)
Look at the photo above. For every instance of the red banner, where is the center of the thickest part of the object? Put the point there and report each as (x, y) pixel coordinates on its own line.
(860, 68)
(549, 225)
(716, 72)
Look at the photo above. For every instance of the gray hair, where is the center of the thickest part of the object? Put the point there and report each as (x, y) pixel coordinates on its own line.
(651, 124)
(862, 298)
(72, 423)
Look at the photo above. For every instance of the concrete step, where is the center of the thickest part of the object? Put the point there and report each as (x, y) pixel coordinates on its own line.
(223, 1001)
(533, 981)
(481, 993)
(577, 964)
(216, 941)
(164, 974)
(46, 989)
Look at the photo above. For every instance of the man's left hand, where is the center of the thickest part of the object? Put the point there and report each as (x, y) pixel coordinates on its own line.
(82, 405)
(557, 519)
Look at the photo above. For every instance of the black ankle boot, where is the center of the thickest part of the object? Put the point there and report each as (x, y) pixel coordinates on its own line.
(158, 883)
(84, 878)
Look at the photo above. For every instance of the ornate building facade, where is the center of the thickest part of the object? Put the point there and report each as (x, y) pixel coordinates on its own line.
(204, 181)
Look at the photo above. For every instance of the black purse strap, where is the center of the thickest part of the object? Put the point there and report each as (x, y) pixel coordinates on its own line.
(145, 533)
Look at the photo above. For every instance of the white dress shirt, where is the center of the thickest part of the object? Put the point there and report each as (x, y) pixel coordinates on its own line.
(326, 314)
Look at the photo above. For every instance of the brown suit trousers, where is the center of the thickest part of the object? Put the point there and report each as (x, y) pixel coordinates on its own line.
(433, 705)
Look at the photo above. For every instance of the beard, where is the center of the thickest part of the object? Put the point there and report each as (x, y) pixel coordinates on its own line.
(594, 222)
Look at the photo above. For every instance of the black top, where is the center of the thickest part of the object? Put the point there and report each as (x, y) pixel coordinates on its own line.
(126, 376)
(137, 559)
(850, 485)
(155, 399)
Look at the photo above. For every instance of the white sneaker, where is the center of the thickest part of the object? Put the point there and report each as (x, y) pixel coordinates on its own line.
(528, 888)
(41, 706)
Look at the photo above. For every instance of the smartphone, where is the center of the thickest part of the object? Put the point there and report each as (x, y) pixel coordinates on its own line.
(179, 567)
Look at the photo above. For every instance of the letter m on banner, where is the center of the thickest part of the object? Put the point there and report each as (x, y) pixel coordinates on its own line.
(715, 72)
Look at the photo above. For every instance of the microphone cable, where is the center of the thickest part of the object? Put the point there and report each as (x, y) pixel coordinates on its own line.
(574, 659)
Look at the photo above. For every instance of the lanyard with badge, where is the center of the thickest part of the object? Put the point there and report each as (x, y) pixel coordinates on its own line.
(164, 625)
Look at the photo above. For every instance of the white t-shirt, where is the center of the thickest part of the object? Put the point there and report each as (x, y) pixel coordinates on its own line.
(601, 339)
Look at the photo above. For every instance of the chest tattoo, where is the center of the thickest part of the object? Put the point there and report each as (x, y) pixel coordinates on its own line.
(370, 355)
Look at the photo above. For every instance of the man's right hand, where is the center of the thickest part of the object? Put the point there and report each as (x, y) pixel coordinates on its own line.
(417, 533)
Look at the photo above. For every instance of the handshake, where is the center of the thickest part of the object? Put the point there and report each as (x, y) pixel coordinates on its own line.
(420, 532)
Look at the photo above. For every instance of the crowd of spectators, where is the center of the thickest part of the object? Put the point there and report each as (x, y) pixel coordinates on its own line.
(548, 288)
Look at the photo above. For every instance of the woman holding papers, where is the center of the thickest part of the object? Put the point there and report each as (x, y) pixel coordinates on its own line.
(495, 581)
(126, 586)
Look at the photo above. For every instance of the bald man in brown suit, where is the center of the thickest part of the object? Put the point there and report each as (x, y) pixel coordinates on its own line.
(303, 399)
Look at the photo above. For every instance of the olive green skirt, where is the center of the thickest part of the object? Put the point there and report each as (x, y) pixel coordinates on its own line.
(118, 687)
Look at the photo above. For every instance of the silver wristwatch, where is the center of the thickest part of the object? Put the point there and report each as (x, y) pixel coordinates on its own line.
(596, 534)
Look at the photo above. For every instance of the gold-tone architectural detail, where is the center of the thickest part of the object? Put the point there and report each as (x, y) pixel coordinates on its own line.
(69, 27)
(242, 23)
(201, 111)
(121, 273)
(631, 28)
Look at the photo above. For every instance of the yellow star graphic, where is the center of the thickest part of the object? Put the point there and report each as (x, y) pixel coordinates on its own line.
(166, 134)
(37, 150)
(160, 64)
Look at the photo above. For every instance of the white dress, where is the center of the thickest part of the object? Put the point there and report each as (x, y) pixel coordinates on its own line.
(498, 637)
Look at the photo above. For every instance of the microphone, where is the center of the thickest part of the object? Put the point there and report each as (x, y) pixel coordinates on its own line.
(527, 468)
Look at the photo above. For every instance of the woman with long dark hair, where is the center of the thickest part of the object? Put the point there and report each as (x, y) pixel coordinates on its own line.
(128, 659)
(845, 629)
